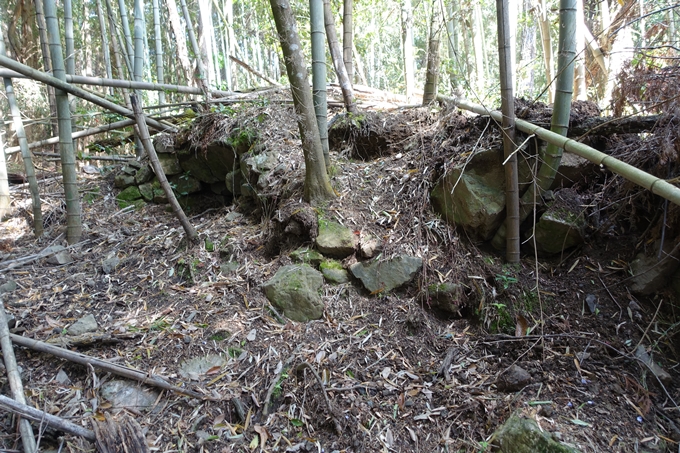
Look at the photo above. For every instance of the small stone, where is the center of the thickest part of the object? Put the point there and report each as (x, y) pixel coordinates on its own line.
(124, 394)
(62, 378)
(233, 216)
(90, 169)
(591, 300)
(514, 379)
(84, 325)
(109, 265)
(8, 286)
(60, 255)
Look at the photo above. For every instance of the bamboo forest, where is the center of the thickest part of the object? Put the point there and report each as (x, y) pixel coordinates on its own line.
(339, 226)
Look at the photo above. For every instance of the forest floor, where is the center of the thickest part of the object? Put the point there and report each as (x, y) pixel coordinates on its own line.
(397, 376)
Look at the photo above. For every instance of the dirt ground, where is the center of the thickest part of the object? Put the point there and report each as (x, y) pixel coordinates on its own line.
(396, 376)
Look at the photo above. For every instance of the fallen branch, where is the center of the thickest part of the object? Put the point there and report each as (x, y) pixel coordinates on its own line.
(82, 359)
(43, 417)
(31, 258)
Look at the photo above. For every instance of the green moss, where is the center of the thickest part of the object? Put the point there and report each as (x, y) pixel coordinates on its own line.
(331, 264)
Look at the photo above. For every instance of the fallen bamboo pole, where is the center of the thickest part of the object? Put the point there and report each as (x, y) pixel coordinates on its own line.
(656, 185)
(82, 359)
(43, 417)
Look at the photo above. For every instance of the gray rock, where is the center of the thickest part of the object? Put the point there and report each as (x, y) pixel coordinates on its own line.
(334, 272)
(449, 297)
(218, 188)
(123, 181)
(651, 274)
(169, 164)
(9, 286)
(256, 163)
(306, 255)
(134, 164)
(184, 184)
(643, 356)
(370, 246)
(572, 169)
(62, 378)
(295, 290)
(233, 181)
(124, 394)
(378, 276)
(59, 255)
(196, 367)
(334, 239)
(513, 379)
(90, 170)
(110, 264)
(229, 267)
(84, 325)
(129, 170)
(562, 226)
(144, 174)
(210, 164)
(159, 196)
(146, 190)
(523, 435)
(233, 216)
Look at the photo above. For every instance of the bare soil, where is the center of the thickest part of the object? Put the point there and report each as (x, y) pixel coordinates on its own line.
(396, 376)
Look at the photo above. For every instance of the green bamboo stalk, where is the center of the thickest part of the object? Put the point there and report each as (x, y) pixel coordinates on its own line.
(316, 21)
(74, 226)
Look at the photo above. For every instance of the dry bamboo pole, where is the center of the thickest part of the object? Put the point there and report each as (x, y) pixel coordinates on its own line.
(650, 182)
(118, 83)
(27, 439)
(43, 417)
(79, 134)
(49, 80)
(143, 134)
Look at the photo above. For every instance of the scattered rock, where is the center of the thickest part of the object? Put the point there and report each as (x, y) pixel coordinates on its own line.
(84, 325)
(306, 255)
(334, 239)
(334, 272)
(90, 169)
(109, 265)
(229, 267)
(233, 216)
(651, 274)
(513, 379)
(572, 169)
(295, 290)
(523, 435)
(196, 367)
(370, 246)
(378, 275)
(59, 255)
(62, 377)
(591, 301)
(448, 297)
(124, 394)
(7, 287)
(643, 356)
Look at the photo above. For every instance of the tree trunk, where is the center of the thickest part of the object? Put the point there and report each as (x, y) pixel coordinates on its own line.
(180, 40)
(338, 63)
(407, 48)
(206, 34)
(139, 30)
(201, 80)
(580, 62)
(128, 49)
(505, 49)
(68, 161)
(347, 38)
(432, 75)
(158, 45)
(319, 96)
(70, 59)
(317, 185)
(5, 200)
(25, 153)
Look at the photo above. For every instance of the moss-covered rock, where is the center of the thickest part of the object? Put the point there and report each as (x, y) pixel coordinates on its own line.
(333, 271)
(129, 194)
(306, 255)
(523, 435)
(146, 190)
(144, 174)
(334, 239)
(295, 290)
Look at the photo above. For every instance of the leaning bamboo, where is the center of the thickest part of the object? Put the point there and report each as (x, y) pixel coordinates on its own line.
(143, 134)
(650, 182)
(118, 83)
(49, 80)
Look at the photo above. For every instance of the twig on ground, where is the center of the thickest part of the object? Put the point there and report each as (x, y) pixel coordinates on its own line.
(331, 412)
(31, 258)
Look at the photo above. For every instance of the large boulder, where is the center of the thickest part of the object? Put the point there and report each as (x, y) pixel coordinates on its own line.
(378, 276)
(472, 195)
(523, 435)
(651, 273)
(334, 239)
(295, 290)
